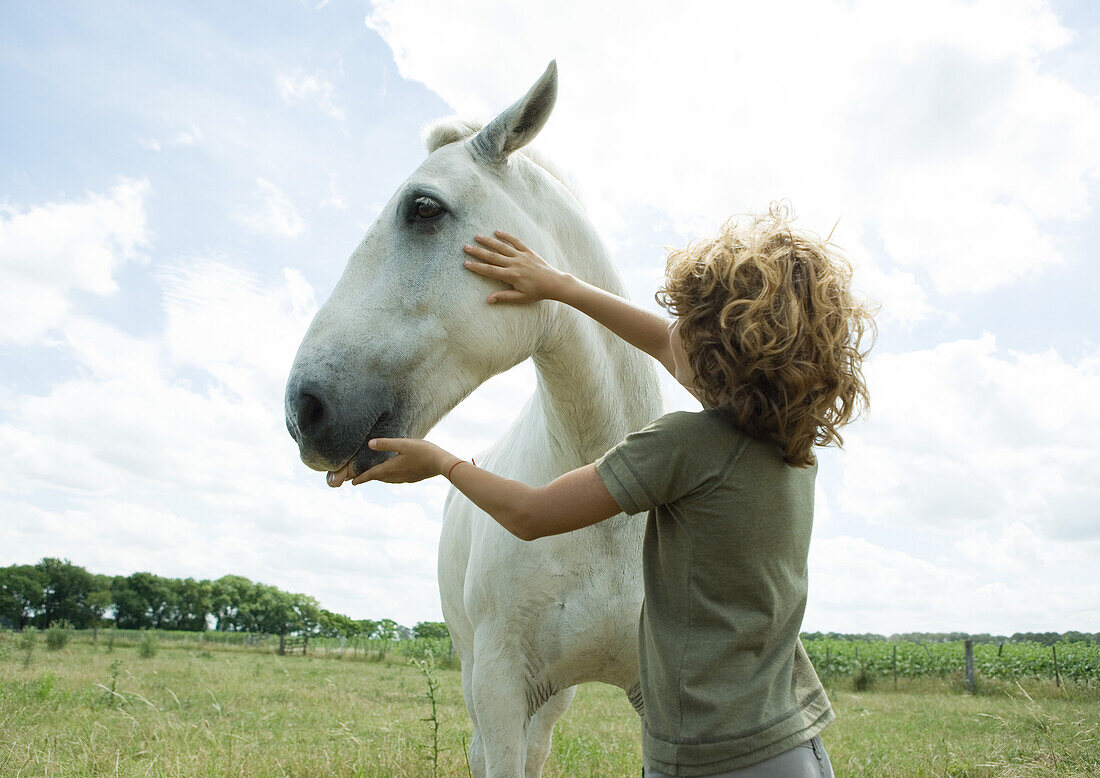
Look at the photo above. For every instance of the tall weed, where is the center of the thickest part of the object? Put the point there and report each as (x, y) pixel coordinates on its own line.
(27, 643)
(149, 645)
(59, 635)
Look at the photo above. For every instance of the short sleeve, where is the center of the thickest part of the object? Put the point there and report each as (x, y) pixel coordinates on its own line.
(647, 469)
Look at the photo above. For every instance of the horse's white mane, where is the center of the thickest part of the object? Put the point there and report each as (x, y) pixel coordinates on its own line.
(452, 129)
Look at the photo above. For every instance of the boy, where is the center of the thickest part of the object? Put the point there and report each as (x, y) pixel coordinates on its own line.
(767, 336)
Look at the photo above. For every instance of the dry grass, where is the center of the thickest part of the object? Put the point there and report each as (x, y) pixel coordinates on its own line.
(933, 728)
(85, 712)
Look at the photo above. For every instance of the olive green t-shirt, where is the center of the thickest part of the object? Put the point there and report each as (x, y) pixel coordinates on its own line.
(725, 679)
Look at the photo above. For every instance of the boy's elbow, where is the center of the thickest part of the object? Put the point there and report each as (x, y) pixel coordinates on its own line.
(525, 535)
(525, 529)
(525, 524)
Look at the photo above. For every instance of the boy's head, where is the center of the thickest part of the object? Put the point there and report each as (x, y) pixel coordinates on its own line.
(772, 331)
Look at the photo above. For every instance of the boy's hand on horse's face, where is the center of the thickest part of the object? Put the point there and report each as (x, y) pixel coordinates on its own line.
(506, 258)
(416, 460)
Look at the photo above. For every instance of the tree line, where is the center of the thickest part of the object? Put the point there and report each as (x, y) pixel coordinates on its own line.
(56, 590)
(1045, 638)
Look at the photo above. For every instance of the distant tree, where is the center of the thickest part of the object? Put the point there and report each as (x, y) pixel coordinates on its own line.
(21, 594)
(193, 603)
(99, 601)
(334, 625)
(54, 589)
(275, 612)
(228, 594)
(260, 609)
(65, 590)
(309, 613)
(144, 601)
(1079, 637)
(1046, 638)
(431, 629)
(129, 606)
(386, 629)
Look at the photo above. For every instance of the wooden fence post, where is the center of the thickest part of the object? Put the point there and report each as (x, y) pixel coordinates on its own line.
(282, 645)
(1057, 677)
(969, 651)
(895, 666)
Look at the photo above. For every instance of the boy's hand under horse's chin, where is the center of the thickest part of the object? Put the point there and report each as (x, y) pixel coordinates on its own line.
(415, 460)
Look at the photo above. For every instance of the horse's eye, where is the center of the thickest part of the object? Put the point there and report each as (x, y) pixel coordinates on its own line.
(426, 208)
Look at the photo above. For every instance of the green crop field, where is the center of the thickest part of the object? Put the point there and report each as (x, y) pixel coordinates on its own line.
(194, 708)
(1078, 662)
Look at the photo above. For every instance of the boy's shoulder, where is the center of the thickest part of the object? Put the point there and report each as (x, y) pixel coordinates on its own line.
(707, 421)
(698, 434)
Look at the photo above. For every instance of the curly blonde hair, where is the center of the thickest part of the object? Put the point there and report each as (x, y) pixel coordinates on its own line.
(772, 331)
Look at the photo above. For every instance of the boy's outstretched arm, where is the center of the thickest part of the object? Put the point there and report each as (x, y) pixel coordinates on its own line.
(569, 502)
(506, 258)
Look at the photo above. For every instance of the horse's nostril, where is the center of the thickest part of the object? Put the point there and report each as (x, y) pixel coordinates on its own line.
(311, 413)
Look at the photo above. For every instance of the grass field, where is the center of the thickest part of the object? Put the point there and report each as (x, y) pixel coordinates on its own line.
(84, 711)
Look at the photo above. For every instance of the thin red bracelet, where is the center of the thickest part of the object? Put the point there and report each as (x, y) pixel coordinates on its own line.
(456, 464)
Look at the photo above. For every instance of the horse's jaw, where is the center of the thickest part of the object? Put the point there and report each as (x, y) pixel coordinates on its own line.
(401, 399)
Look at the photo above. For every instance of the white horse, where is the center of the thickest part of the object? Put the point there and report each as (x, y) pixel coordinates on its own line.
(406, 335)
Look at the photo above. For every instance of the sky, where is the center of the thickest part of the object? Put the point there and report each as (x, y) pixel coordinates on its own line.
(181, 186)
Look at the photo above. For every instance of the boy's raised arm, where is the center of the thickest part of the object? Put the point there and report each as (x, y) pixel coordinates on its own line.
(507, 259)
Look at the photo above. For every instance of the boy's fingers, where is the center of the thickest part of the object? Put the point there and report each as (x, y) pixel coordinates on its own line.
(508, 296)
(369, 475)
(496, 245)
(508, 237)
(385, 444)
(486, 255)
(484, 269)
(379, 472)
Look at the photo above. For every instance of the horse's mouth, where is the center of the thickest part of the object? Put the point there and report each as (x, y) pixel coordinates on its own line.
(337, 477)
(351, 468)
(364, 458)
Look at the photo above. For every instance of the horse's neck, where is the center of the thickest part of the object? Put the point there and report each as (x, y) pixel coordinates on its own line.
(591, 394)
(593, 388)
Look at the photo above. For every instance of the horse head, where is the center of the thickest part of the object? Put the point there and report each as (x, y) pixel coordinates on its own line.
(406, 333)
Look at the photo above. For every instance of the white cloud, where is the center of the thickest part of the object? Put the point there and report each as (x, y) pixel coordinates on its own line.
(933, 129)
(900, 297)
(964, 436)
(277, 213)
(334, 199)
(297, 87)
(189, 136)
(933, 120)
(169, 453)
(49, 251)
(966, 500)
(225, 321)
(187, 408)
(1002, 582)
(363, 559)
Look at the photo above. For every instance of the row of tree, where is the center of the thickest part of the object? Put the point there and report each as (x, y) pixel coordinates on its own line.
(1046, 638)
(54, 590)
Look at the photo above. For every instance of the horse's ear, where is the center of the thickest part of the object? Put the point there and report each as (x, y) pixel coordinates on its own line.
(518, 125)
